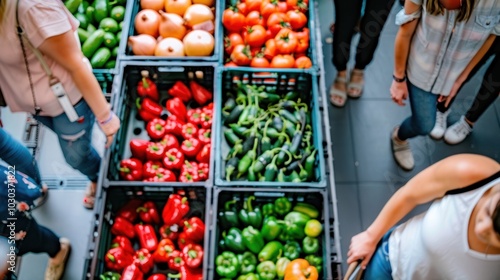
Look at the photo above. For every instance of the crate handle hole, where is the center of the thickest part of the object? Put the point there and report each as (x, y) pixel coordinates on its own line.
(137, 131)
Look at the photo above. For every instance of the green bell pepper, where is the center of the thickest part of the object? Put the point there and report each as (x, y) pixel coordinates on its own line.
(296, 223)
(292, 250)
(284, 236)
(249, 215)
(253, 240)
(316, 262)
(310, 245)
(229, 217)
(250, 276)
(271, 251)
(266, 270)
(271, 228)
(281, 265)
(110, 276)
(306, 208)
(227, 265)
(248, 262)
(268, 209)
(282, 206)
(233, 240)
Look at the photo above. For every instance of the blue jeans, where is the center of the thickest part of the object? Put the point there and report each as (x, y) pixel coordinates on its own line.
(379, 267)
(75, 139)
(16, 154)
(423, 113)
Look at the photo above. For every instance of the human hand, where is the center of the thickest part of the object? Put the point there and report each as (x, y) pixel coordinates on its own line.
(362, 248)
(453, 92)
(399, 92)
(110, 126)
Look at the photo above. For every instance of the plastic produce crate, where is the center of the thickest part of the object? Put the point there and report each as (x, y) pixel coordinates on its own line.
(105, 78)
(311, 52)
(113, 198)
(129, 30)
(317, 198)
(281, 82)
(132, 127)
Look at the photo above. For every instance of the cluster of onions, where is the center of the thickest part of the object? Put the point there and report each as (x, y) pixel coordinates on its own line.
(174, 28)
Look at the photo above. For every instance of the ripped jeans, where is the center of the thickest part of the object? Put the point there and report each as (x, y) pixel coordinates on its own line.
(75, 139)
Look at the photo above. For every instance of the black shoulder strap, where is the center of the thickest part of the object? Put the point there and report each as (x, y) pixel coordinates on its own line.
(475, 185)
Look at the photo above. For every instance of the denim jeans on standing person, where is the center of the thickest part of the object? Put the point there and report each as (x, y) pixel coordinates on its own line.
(75, 139)
(379, 267)
(423, 113)
(16, 154)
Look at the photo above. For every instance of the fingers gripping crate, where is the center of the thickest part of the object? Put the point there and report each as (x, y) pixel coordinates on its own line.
(238, 197)
(113, 199)
(277, 97)
(133, 127)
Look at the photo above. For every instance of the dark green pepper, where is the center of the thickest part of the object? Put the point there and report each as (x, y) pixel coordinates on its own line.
(222, 244)
(282, 206)
(250, 276)
(291, 95)
(227, 265)
(289, 129)
(271, 252)
(281, 155)
(271, 170)
(251, 174)
(110, 276)
(248, 262)
(236, 150)
(238, 130)
(295, 224)
(228, 218)
(271, 228)
(234, 115)
(316, 262)
(277, 123)
(281, 177)
(310, 163)
(263, 160)
(265, 144)
(231, 166)
(310, 245)
(267, 98)
(233, 240)
(229, 105)
(268, 209)
(284, 236)
(244, 115)
(266, 270)
(249, 215)
(245, 162)
(253, 240)
(231, 137)
(272, 133)
(288, 116)
(292, 250)
(294, 177)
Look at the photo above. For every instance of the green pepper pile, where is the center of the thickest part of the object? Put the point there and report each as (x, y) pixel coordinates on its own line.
(100, 29)
(269, 134)
(258, 242)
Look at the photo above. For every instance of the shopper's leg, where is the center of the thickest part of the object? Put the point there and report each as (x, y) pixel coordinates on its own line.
(347, 14)
(379, 266)
(38, 239)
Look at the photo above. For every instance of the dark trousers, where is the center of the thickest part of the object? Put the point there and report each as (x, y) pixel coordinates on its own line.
(347, 14)
(490, 85)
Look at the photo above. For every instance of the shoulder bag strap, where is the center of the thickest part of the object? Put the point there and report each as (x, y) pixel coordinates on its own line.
(475, 185)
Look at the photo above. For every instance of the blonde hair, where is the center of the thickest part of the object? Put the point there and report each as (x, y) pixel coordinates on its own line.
(435, 8)
(3, 4)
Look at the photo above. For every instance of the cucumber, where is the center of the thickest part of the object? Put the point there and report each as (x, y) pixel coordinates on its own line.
(83, 7)
(110, 40)
(114, 52)
(100, 57)
(72, 5)
(89, 13)
(109, 25)
(110, 64)
(83, 35)
(84, 22)
(91, 29)
(117, 13)
(101, 9)
(93, 43)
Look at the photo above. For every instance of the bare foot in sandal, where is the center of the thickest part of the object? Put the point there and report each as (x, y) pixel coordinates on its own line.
(356, 84)
(89, 198)
(338, 94)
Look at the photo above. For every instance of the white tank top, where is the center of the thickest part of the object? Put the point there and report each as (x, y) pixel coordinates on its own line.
(433, 245)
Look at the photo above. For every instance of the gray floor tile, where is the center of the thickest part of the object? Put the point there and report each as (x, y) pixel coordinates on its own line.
(342, 144)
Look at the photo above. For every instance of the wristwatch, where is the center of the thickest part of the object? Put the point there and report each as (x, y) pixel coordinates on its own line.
(399, 80)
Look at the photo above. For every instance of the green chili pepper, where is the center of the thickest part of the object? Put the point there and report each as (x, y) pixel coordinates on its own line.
(238, 130)
(228, 218)
(271, 251)
(280, 141)
(265, 144)
(303, 175)
(307, 209)
(272, 133)
(268, 209)
(296, 223)
(267, 98)
(253, 240)
(296, 140)
(271, 170)
(266, 270)
(227, 265)
(289, 116)
(281, 155)
(289, 129)
(278, 123)
(263, 160)
(316, 262)
(292, 250)
(231, 137)
(281, 175)
(271, 228)
(282, 206)
(248, 262)
(250, 276)
(249, 142)
(310, 245)
(234, 115)
(231, 166)
(247, 159)
(294, 177)
(251, 175)
(234, 240)
(310, 162)
(281, 265)
(229, 105)
(249, 215)
(244, 115)
(291, 95)
(236, 150)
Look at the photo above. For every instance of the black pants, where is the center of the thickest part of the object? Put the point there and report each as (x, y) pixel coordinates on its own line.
(347, 14)
(490, 85)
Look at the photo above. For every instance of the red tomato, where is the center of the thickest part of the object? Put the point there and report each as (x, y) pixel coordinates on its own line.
(297, 54)
(269, 35)
(302, 41)
(241, 55)
(232, 40)
(242, 8)
(268, 7)
(255, 36)
(253, 5)
(303, 62)
(286, 42)
(270, 49)
(283, 61)
(259, 62)
(282, 7)
(233, 21)
(296, 19)
(230, 64)
(254, 18)
(277, 21)
(301, 5)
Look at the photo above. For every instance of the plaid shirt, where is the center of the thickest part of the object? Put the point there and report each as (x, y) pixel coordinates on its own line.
(441, 48)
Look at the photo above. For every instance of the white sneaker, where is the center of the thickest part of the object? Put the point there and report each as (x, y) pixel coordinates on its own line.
(402, 152)
(440, 125)
(457, 132)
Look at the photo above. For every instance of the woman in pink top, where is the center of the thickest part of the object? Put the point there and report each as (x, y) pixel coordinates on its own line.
(49, 27)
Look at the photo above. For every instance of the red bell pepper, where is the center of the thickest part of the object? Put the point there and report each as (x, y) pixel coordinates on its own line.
(164, 250)
(204, 155)
(155, 151)
(183, 241)
(189, 131)
(179, 89)
(190, 147)
(169, 231)
(190, 166)
(175, 261)
(131, 169)
(175, 118)
(173, 159)
(188, 273)
(170, 141)
(194, 116)
(177, 108)
(206, 120)
(147, 237)
(124, 243)
(175, 209)
(163, 175)
(117, 259)
(151, 168)
(200, 94)
(194, 229)
(174, 127)
(144, 260)
(138, 148)
(204, 135)
(148, 109)
(157, 276)
(123, 227)
(128, 211)
(132, 272)
(203, 170)
(147, 88)
(192, 255)
(156, 129)
(208, 108)
(148, 213)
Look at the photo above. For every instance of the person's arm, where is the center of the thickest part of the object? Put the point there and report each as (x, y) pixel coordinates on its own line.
(454, 172)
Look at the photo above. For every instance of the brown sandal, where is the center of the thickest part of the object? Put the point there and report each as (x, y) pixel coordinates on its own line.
(338, 97)
(355, 90)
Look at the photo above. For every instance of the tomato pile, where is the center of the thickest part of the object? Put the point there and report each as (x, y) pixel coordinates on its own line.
(267, 33)
(178, 148)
